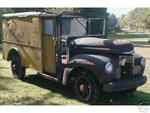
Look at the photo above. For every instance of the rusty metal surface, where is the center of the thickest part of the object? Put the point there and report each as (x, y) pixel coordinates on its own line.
(49, 54)
(110, 46)
(94, 63)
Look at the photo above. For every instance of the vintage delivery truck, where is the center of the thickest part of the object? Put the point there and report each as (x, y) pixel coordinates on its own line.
(71, 47)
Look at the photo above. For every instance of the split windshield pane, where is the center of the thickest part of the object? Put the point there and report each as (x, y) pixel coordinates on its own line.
(74, 27)
(80, 26)
(97, 26)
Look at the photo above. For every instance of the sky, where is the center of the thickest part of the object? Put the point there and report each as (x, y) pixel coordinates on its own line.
(119, 11)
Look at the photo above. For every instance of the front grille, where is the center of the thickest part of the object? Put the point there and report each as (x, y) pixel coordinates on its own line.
(126, 66)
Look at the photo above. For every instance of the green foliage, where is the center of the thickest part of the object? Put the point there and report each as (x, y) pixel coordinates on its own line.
(16, 10)
(137, 20)
(59, 10)
(93, 11)
(126, 36)
(112, 24)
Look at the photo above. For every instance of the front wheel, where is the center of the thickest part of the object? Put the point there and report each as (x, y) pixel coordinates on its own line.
(85, 87)
(18, 70)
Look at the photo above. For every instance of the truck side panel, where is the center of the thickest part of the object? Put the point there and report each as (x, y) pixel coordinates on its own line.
(24, 34)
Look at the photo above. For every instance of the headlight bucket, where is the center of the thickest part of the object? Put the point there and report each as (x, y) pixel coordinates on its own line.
(109, 67)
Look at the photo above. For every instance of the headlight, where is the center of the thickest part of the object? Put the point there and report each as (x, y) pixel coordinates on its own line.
(143, 62)
(109, 67)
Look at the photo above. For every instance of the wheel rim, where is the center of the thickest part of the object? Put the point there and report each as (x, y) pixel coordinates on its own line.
(15, 67)
(83, 88)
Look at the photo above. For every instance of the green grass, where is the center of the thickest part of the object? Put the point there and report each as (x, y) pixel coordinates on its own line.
(32, 90)
(36, 90)
(129, 37)
(124, 36)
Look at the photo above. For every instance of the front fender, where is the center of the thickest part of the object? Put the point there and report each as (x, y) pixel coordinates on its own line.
(138, 69)
(93, 63)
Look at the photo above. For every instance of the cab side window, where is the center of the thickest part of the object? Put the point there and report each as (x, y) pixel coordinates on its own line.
(48, 25)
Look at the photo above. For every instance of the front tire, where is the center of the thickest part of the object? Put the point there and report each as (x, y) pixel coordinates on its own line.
(18, 70)
(86, 87)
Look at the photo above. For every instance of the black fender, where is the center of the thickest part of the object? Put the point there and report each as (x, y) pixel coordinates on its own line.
(93, 63)
(137, 59)
(13, 51)
(138, 69)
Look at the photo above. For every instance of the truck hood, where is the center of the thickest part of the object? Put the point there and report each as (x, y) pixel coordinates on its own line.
(103, 45)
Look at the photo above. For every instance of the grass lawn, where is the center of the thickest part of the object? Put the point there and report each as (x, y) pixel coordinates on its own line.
(130, 37)
(37, 90)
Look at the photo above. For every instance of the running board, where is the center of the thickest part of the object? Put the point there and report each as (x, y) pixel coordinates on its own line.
(48, 77)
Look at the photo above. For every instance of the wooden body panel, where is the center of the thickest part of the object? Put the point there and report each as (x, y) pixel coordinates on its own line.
(25, 34)
(49, 54)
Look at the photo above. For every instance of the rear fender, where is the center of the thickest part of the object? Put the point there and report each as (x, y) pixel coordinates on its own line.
(13, 51)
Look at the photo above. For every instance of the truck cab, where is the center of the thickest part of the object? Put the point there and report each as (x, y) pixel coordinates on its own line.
(72, 47)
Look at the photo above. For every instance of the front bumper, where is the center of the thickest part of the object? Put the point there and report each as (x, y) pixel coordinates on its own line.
(121, 85)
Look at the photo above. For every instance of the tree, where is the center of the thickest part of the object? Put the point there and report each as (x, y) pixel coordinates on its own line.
(137, 20)
(146, 18)
(112, 23)
(93, 11)
(16, 10)
(59, 10)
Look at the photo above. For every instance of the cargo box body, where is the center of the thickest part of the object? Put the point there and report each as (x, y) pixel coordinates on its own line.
(24, 34)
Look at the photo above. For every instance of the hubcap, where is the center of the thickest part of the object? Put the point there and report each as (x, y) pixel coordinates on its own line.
(14, 67)
(83, 88)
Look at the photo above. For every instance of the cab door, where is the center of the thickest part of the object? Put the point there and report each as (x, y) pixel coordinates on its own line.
(49, 46)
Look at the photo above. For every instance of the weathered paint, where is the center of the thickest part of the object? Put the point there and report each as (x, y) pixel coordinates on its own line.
(25, 34)
(49, 54)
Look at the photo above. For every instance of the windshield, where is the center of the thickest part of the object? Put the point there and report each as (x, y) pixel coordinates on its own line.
(74, 27)
(96, 26)
(82, 26)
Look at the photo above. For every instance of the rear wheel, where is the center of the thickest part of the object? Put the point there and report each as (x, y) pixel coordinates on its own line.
(18, 70)
(86, 87)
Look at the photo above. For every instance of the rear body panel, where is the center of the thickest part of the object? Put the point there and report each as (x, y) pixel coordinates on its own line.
(25, 35)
